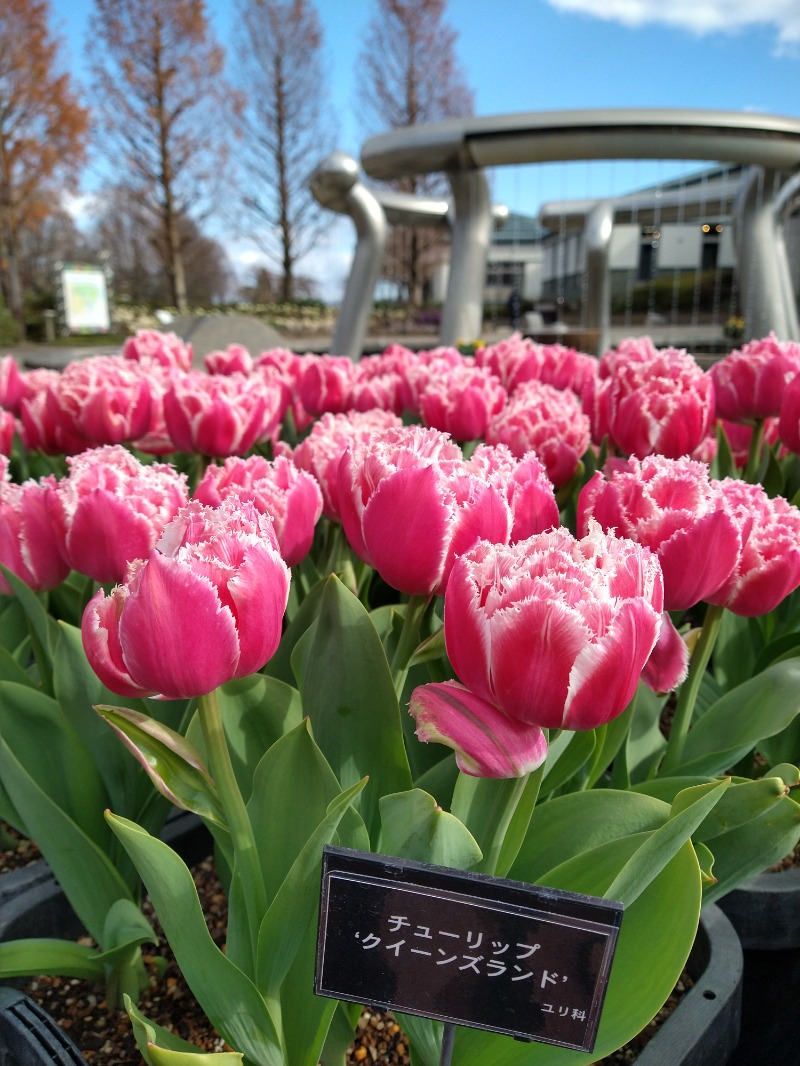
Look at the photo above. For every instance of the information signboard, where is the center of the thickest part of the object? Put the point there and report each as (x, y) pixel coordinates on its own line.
(464, 948)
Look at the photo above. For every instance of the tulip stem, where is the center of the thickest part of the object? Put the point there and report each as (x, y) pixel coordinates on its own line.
(409, 639)
(754, 454)
(691, 686)
(246, 860)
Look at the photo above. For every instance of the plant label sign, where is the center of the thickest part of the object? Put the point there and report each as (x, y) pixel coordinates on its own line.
(464, 948)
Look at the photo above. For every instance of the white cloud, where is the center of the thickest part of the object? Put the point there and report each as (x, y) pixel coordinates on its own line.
(698, 16)
(82, 208)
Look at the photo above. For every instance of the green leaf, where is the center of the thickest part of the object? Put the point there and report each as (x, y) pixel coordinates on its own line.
(34, 956)
(90, 881)
(760, 707)
(124, 927)
(295, 903)
(570, 825)
(231, 1001)
(689, 809)
(78, 690)
(43, 630)
(13, 624)
(10, 670)
(565, 757)
(172, 763)
(34, 729)
(292, 789)
(656, 936)
(280, 665)
(147, 1032)
(414, 827)
(348, 693)
(162, 1057)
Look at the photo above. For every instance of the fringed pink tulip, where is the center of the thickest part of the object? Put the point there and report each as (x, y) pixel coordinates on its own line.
(525, 484)
(462, 401)
(319, 453)
(112, 509)
(235, 359)
(487, 742)
(750, 382)
(206, 606)
(327, 384)
(768, 568)
(106, 399)
(554, 631)
(674, 508)
(221, 415)
(286, 368)
(46, 426)
(668, 665)
(30, 545)
(8, 427)
(662, 404)
(410, 505)
(151, 346)
(518, 359)
(789, 423)
(288, 495)
(545, 420)
(12, 387)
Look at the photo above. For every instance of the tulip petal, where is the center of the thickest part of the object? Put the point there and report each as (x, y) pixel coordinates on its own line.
(172, 606)
(105, 535)
(487, 742)
(259, 592)
(409, 555)
(606, 672)
(669, 662)
(100, 635)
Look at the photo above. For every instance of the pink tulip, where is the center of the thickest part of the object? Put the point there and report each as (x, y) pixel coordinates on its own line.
(768, 568)
(789, 423)
(46, 426)
(112, 509)
(319, 453)
(234, 360)
(105, 398)
(668, 664)
(281, 490)
(327, 384)
(525, 484)
(8, 427)
(519, 359)
(287, 369)
(750, 382)
(205, 606)
(221, 415)
(151, 346)
(377, 392)
(674, 508)
(664, 403)
(552, 630)
(486, 741)
(410, 504)
(545, 420)
(12, 386)
(30, 545)
(462, 401)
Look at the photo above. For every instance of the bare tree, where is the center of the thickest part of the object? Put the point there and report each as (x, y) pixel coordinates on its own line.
(287, 128)
(409, 74)
(43, 132)
(167, 112)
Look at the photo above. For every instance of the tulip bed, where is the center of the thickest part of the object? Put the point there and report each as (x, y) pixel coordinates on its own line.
(523, 612)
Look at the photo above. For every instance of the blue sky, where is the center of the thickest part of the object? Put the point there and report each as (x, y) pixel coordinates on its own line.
(530, 55)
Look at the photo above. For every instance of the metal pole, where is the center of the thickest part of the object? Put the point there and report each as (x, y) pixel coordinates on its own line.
(448, 1039)
(462, 317)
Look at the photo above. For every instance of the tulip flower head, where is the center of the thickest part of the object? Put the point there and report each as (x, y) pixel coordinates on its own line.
(105, 399)
(12, 387)
(674, 508)
(768, 567)
(152, 346)
(410, 504)
(750, 382)
(204, 607)
(545, 420)
(30, 544)
(288, 495)
(462, 401)
(554, 631)
(112, 509)
(518, 359)
(8, 427)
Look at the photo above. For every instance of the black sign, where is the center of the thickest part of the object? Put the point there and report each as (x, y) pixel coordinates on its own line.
(481, 951)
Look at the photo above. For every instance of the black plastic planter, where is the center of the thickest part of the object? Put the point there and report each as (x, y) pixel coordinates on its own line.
(765, 911)
(704, 1029)
(30, 1037)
